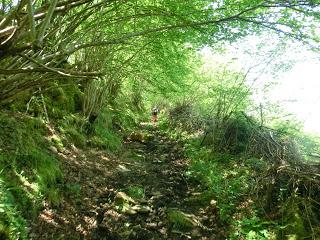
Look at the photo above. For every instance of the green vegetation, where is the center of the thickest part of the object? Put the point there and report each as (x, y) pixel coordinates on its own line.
(256, 191)
(29, 172)
(136, 192)
(78, 80)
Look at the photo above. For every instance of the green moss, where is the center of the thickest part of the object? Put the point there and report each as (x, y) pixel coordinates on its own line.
(73, 188)
(63, 100)
(76, 137)
(293, 220)
(28, 173)
(104, 136)
(106, 140)
(53, 196)
(180, 220)
(57, 142)
(136, 192)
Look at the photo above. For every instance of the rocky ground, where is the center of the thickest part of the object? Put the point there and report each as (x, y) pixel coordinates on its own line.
(142, 193)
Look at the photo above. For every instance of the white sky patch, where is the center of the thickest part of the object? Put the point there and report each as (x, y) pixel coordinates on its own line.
(299, 93)
(297, 89)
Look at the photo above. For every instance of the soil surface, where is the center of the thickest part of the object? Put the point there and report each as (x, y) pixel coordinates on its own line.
(142, 193)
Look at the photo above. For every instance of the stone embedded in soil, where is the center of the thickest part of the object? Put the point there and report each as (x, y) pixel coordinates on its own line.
(181, 220)
(141, 209)
(122, 168)
(163, 213)
(123, 197)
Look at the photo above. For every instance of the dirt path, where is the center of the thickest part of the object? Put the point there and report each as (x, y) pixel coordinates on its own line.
(143, 194)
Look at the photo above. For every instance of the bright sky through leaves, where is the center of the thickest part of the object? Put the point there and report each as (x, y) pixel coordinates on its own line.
(301, 85)
(296, 89)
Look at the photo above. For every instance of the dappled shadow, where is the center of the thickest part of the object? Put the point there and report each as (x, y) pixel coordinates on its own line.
(132, 196)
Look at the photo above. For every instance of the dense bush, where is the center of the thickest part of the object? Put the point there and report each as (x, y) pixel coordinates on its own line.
(260, 177)
(185, 116)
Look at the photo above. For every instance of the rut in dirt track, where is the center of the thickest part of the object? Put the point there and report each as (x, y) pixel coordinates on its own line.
(106, 210)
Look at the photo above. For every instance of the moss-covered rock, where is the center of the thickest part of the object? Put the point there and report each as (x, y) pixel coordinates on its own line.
(180, 220)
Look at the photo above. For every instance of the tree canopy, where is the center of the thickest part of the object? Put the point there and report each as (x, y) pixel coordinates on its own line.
(78, 80)
(40, 37)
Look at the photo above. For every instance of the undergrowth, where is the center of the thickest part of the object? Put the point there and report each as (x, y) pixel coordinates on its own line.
(239, 169)
(29, 173)
(228, 179)
(105, 136)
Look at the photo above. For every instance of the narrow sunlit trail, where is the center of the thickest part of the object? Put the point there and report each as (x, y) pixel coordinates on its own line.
(143, 194)
(224, 156)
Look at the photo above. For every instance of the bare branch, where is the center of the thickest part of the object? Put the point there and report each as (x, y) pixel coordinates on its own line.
(46, 21)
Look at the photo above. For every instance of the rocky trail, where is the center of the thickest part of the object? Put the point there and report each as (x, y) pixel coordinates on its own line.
(143, 193)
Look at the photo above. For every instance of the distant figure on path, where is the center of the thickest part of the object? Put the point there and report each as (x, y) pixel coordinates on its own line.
(155, 112)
